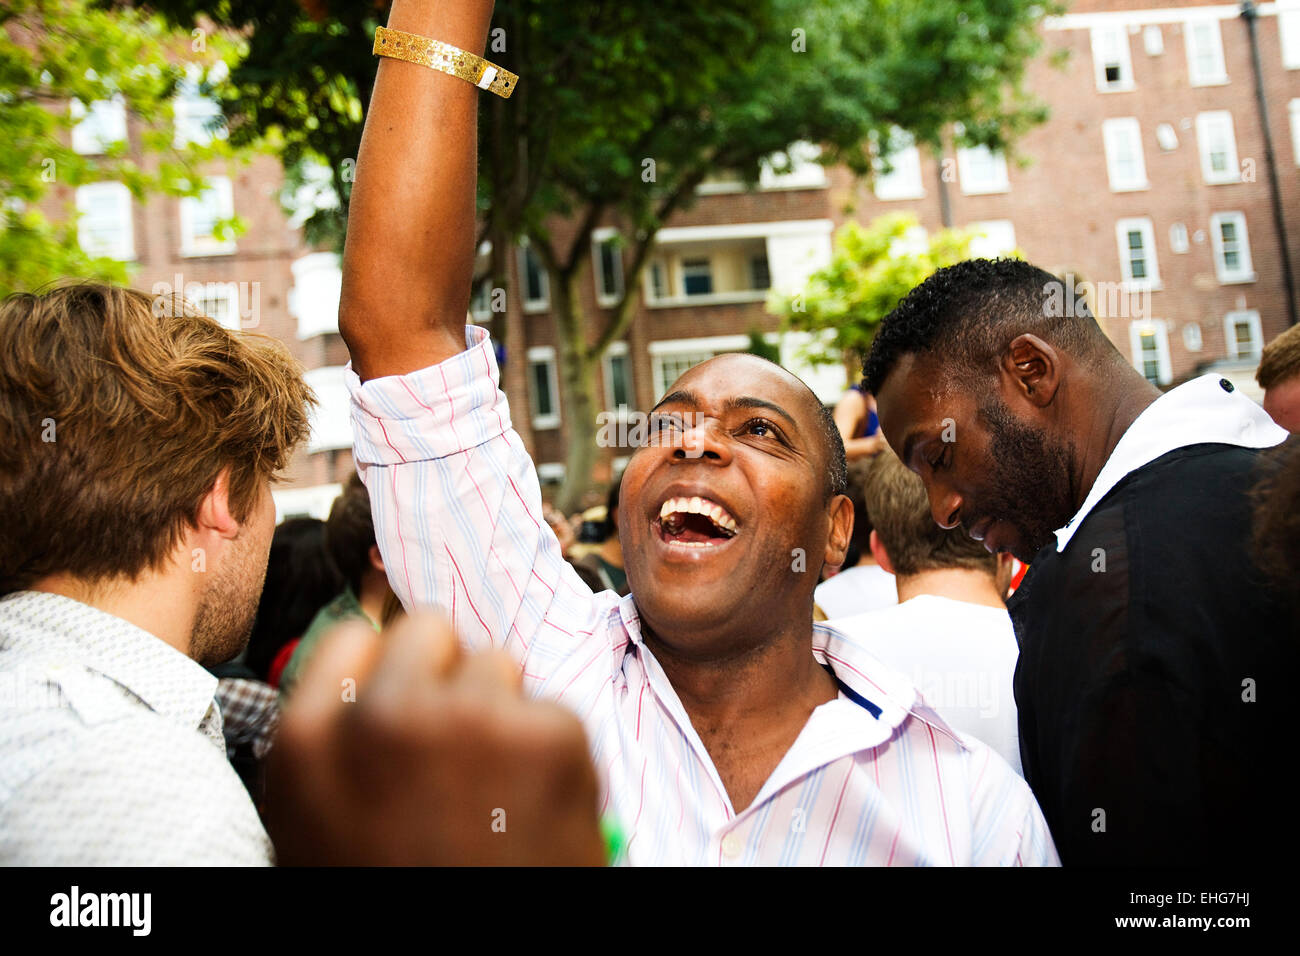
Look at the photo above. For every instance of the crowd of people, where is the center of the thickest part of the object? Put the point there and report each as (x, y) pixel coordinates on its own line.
(186, 683)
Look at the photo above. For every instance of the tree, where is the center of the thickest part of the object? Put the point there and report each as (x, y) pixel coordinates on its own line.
(57, 59)
(871, 269)
(623, 109)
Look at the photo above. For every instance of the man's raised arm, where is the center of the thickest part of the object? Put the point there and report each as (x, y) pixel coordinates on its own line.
(409, 259)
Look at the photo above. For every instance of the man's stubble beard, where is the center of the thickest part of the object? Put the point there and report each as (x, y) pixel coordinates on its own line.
(224, 620)
(1030, 478)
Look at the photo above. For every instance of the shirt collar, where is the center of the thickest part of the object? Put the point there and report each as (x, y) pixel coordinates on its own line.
(853, 665)
(1205, 410)
(71, 632)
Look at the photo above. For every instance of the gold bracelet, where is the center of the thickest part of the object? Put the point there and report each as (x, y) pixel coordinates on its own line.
(446, 58)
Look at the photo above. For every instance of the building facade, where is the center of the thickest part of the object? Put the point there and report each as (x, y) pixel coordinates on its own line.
(1149, 184)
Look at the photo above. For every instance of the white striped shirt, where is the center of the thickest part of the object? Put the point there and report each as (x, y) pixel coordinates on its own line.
(458, 517)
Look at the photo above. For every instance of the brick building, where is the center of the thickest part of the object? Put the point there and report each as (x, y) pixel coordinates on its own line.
(1149, 181)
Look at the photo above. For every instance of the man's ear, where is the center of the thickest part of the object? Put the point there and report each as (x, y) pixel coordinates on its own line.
(879, 553)
(376, 560)
(214, 512)
(837, 545)
(1034, 368)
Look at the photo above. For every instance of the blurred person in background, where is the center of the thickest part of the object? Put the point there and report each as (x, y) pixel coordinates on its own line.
(1279, 376)
(606, 560)
(950, 631)
(860, 584)
(855, 417)
(366, 596)
(300, 580)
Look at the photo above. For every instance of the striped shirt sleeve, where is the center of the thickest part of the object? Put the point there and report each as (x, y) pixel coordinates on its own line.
(1007, 827)
(457, 509)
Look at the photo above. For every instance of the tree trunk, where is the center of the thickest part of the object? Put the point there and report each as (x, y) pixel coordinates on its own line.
(577, 373)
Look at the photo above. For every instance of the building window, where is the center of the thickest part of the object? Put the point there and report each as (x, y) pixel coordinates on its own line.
(903, 180)
(220, 301)
(543, 390)
(1205, 53)
(1153, 40)
(104, 223)
(196, 118)
(1125, 163)
(618, 379)
(1167, 137)
(537, 286)
(200, 216)
(608, 252)
(671, 366)
(1149, 341)
(1231, 247)
(994, 238)
(760, 276)
(1178, 237)
(1110, 59)
(1243, 335)
(697, 277)
(1192, 337)
(99, 126)
(982, 171)
(801, 169)
(331, 419)
(658, 280)
(1218, 147)
(314, 298)
(1293, 108)
(480, 298)
(1288, 26)
(1137, 253)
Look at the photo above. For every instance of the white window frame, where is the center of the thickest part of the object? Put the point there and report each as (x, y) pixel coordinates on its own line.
(598, 238)
(1153, 39)
(1230, 334)
(1167, 136)
(1143, 225)
(1116, 134)
(805, 170)
(532, 305)
(998, 182)
(314, 296)
(1288, 28)
(544, 355)
(1209, 125)
(122, 247)
(904, 180)
(617, 349)
(1124, 59)
(1217, 75)
(700, 349)
(220, 188)
(1246, 271)
(1164, 361)
(1293, 110)
(189, 108)
(1193, 340)
(708, 261)
(226, 293)
(998, 239)
(1179, 241)
(331, 422)
(99, 126)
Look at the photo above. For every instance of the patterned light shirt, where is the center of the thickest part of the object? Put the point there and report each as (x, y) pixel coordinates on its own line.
(111, 751)
(875, 776)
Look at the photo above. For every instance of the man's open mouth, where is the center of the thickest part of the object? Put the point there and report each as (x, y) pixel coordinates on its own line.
(695, 522)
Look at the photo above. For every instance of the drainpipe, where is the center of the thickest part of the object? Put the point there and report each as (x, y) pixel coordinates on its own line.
(1250, 14)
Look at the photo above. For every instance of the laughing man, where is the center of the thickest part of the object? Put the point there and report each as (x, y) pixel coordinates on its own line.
(727, 729)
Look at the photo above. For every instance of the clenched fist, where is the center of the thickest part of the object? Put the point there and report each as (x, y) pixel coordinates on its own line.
(400, 749)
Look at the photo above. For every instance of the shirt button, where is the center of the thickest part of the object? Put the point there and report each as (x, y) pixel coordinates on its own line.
(731, 846)
(1225, 385)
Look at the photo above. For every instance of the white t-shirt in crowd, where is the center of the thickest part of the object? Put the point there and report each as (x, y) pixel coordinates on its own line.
(863, 587)
(961, 656)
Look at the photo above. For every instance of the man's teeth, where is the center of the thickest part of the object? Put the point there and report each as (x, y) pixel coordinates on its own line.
(700, 506)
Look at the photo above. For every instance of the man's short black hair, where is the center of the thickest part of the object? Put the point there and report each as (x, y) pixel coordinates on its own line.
(837, 465)
(970, 312)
